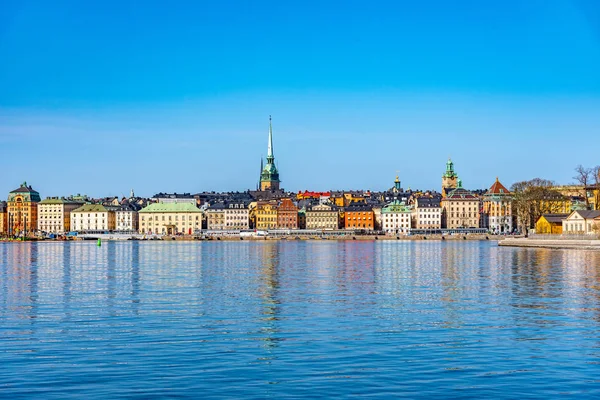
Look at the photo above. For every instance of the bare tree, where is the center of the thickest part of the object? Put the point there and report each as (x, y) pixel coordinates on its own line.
(533, 198)
(584, 176)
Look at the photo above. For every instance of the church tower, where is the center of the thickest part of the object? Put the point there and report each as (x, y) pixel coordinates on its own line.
(269, 177)
(449, 179)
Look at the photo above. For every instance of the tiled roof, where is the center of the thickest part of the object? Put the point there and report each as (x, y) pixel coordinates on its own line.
(555, 218)
(589, 214)
(460, 193)
(169, 207)
(498, 188)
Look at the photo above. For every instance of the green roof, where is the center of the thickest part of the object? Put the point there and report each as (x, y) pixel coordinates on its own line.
(91, 208)
(170, 207)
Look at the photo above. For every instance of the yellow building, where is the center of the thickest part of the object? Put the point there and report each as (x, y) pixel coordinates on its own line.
(266, 215)
(460, 209)
(22, 210)
(550, 224)
(170, 219)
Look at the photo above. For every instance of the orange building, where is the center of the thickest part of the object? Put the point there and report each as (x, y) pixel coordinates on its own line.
(22, 210)
(287, 215)
(359, 215)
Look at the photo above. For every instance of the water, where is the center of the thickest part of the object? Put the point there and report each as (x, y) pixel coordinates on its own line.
(297, 319)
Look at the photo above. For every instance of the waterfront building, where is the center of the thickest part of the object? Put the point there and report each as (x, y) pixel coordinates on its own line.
(427, 213)
(449, 179)
(266, 214)
(174, 198)
(237, 215)
(215, 217)
(170, 218)
(322, 216)
(497, 209)
(550, 224)
(3, 221)
(460, 209)
(54, 214)
(287, 214)
(269, 176)
(22, 208)
(582, 222)
(359, 215)
(396, 218)
(93, 217)
(127, 218)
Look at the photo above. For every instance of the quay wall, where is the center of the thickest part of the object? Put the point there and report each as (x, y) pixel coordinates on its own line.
(592, 244)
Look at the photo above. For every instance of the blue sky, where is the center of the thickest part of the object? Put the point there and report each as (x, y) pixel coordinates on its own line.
(102, 97)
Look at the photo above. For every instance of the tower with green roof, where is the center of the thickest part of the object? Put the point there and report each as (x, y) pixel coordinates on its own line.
(269, 177)
(450, 178)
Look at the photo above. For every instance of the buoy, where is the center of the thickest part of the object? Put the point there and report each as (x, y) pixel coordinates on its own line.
(99, 242)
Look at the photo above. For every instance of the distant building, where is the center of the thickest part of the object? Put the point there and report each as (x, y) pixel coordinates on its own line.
(3, 221)
(582, 222)
(287, 214)
(359, 215)
(170, 219)
(497, 209)
(215, 217)
(174, 198)
(396, 218)
(322, 216)
(428, 213)
(237, 215)
(22, 210)
(93, 217)
(269, 176)
(550, 224)
(449, 179)
(460, 209)
(266, 214)
(127, 218)
(54, 214)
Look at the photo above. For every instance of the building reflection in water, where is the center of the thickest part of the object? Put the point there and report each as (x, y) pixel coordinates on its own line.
(270, 271)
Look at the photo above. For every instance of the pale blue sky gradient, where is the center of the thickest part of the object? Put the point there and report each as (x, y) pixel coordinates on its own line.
(102, 98)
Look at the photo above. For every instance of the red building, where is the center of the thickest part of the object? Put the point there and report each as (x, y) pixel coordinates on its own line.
(287, 215)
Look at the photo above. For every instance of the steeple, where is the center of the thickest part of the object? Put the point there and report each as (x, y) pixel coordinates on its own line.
(270, 156)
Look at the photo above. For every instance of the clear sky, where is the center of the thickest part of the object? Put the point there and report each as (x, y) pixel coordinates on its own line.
(102, 97)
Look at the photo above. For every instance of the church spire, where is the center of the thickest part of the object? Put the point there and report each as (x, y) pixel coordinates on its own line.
(270, 147)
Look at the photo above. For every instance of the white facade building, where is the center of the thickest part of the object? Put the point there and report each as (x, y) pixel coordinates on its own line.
(428, 213)
(396, 218)
(92, 217)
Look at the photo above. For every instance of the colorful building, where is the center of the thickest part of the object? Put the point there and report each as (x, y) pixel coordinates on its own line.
(269, 176)
(215, 217)
(550, 224)
(322, 216)
(22, 210)
(3, 222)
(266, 214)
(359, 215)
(170, 219)
(497, 209)
(54, 214)
(93, 218)
(287, 214)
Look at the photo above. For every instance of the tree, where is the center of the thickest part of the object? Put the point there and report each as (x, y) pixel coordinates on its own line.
(584, 176)
(596, 189)
(533, 198)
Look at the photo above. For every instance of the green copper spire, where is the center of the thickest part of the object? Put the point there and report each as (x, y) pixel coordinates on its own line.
(269, 177)
(449, 169)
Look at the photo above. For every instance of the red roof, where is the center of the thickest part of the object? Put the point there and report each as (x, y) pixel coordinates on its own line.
(498, 188)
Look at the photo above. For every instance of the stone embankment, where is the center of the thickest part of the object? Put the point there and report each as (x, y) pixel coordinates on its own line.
(592, 244)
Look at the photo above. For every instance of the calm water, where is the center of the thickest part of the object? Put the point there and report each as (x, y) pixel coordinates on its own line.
(297, 319)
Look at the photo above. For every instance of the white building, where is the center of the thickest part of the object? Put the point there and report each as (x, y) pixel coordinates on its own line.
(54, 214)
(93, 217)
(237, 216)
(127, 219)
(582, 222)
(428, 213)
(396, 218)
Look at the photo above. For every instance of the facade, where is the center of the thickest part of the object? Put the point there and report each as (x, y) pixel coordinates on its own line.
(127, 218)
(22, 210)
(54, 214)
(582, 222)
(550, 224)
(460, 209)
(3, 222)
(449, 179)
(287, 214)
(93, 217)
(170, 219)
(359, 216)
(266, 215)
(269, 176)
(237, 215)
(215, 217)
(497, 209)
(428, 213)
(322, 216)
(396, 218)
